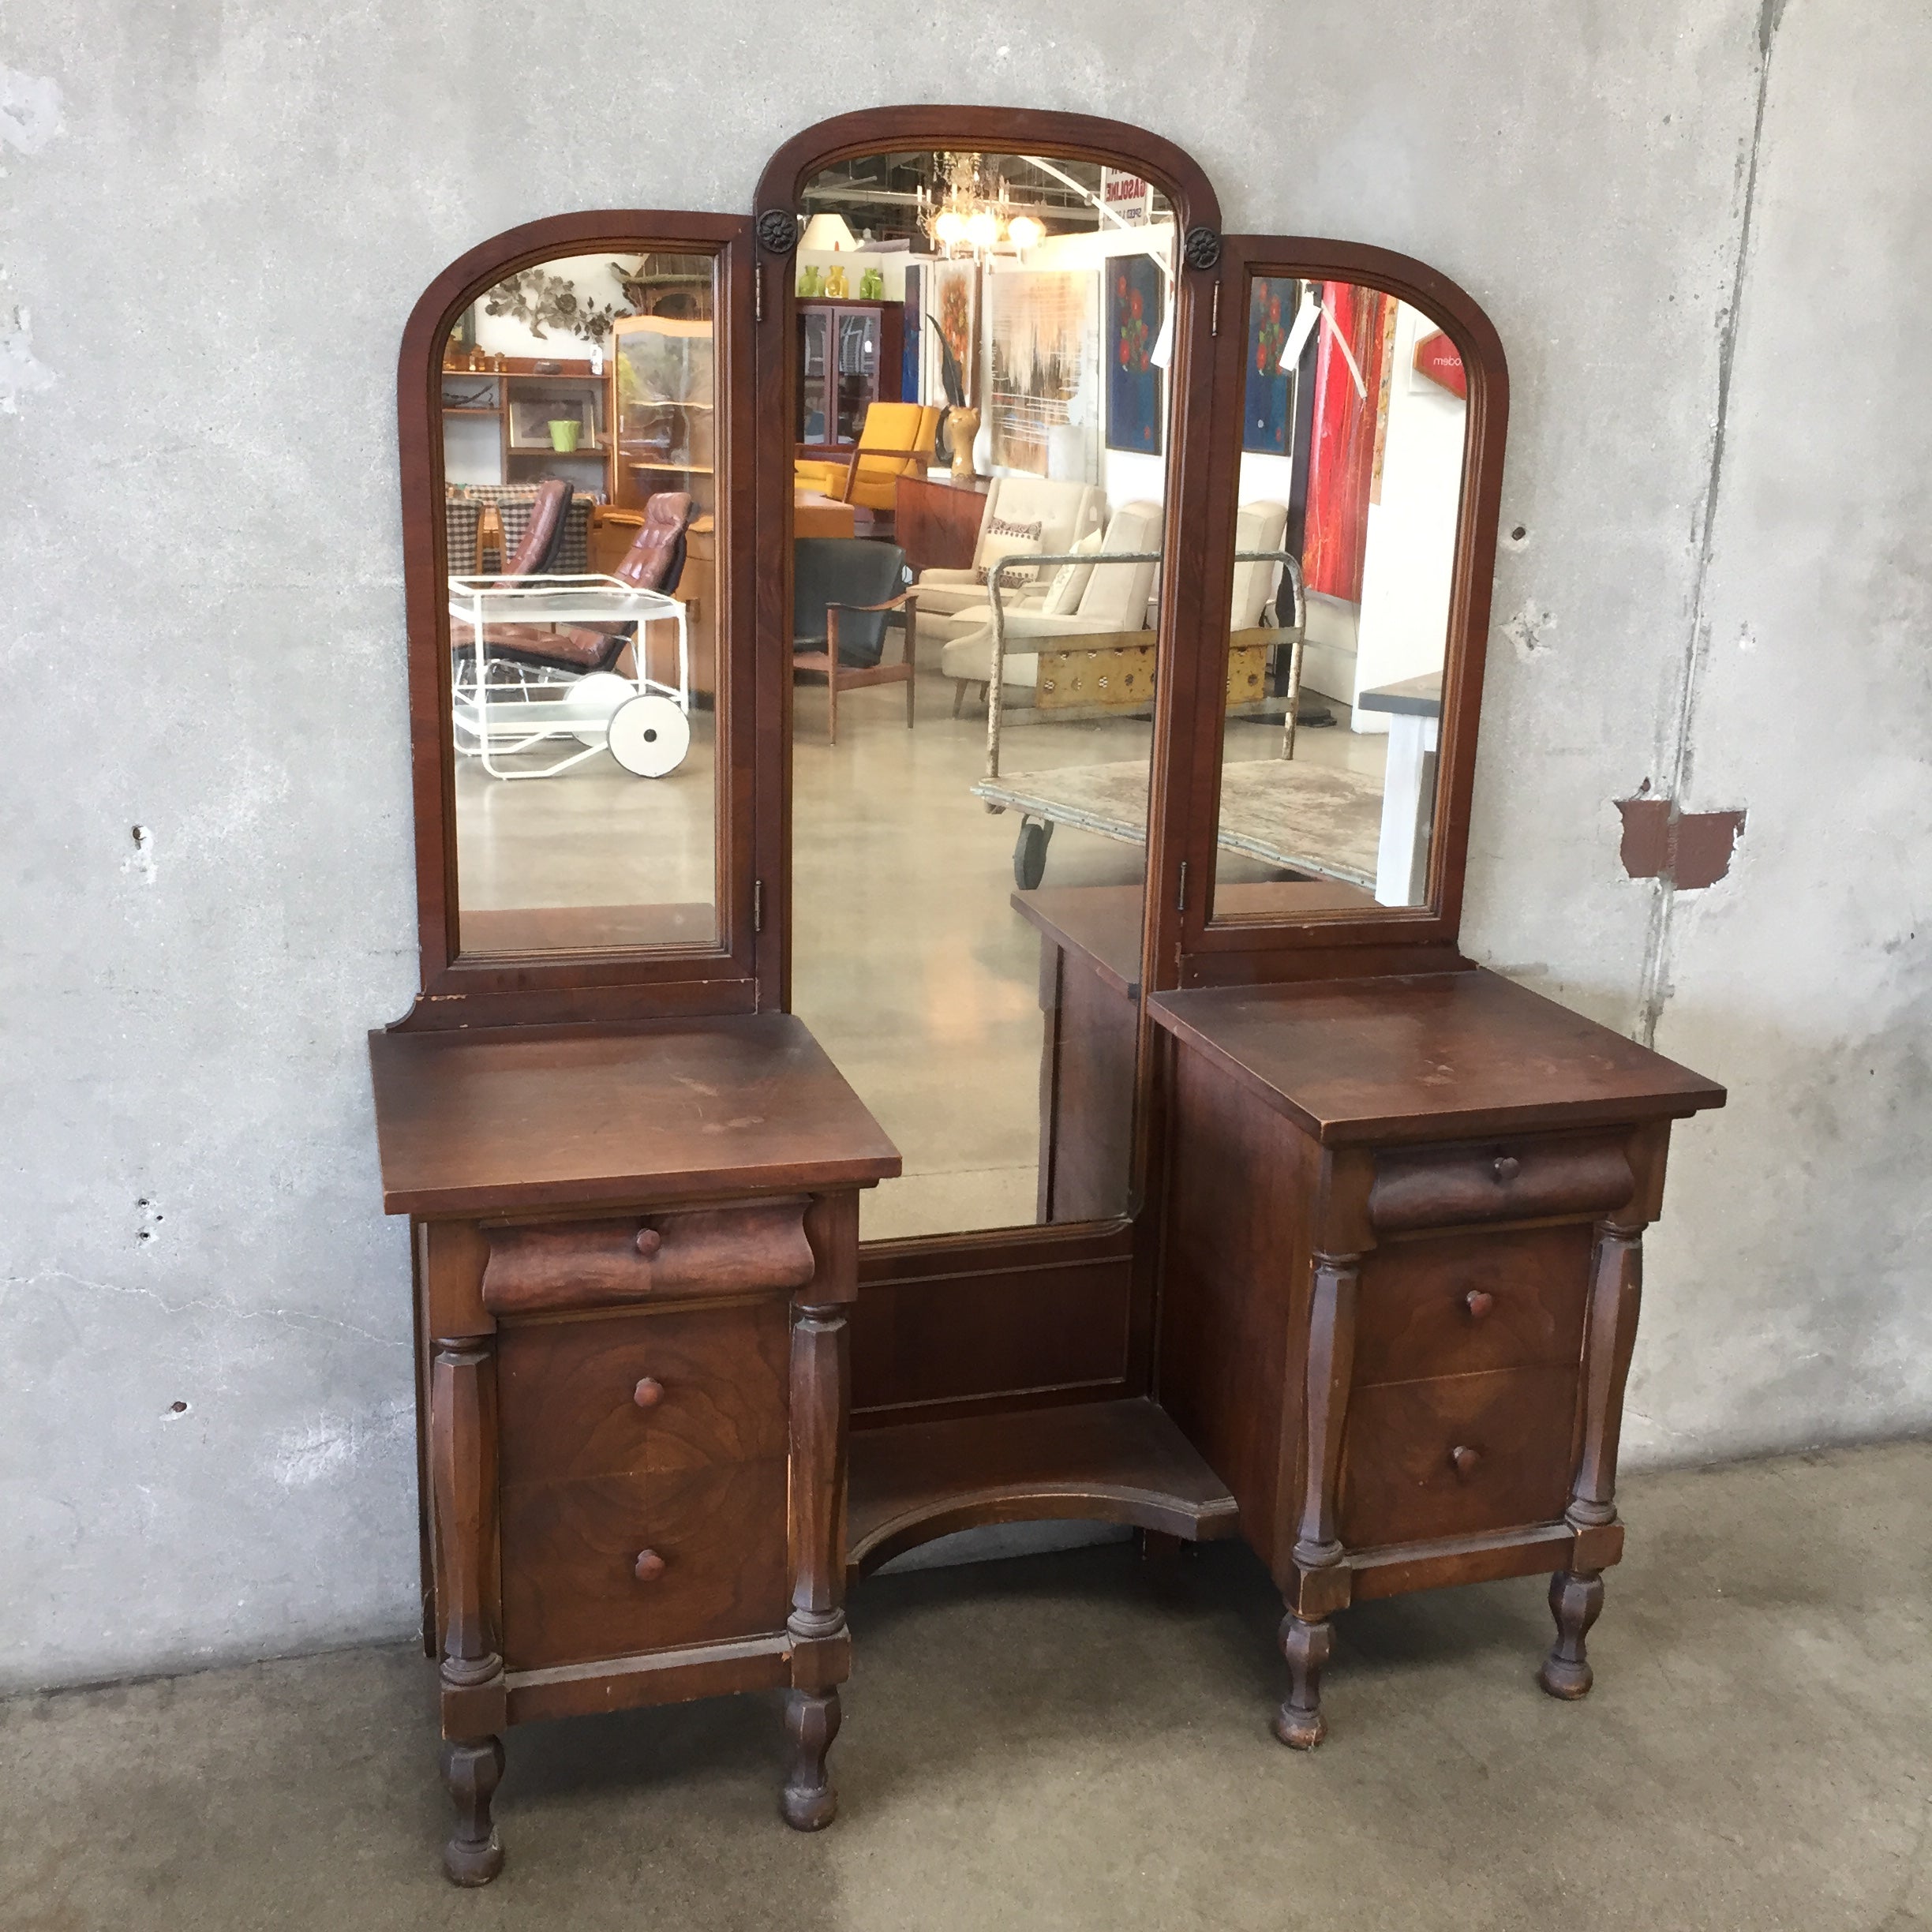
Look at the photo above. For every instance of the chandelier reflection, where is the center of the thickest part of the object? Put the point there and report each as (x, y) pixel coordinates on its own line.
(973, 216)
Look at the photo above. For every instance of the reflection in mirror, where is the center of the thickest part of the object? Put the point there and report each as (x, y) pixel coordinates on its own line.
(580, 504)
(982, 468)
(1351, 472)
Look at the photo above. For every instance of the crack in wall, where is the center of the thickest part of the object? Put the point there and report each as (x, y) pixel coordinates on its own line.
(291, 1318)
(1654, 981)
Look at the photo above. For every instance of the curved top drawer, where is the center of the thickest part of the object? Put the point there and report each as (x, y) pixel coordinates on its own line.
(1498, 1180)
(576, 1265)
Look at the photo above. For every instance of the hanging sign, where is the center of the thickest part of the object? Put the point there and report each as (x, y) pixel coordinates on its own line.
(1129, 196)
(1437, 357)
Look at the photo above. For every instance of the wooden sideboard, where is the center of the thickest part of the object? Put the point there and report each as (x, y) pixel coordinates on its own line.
(635, 1248)
(936, 523)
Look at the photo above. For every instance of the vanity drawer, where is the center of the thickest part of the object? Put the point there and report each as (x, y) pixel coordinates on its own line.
(547, 1268)
(571, 1592)
(568, 1391)
(1458, 1455)
(1524, 1180)
(1455, 1304)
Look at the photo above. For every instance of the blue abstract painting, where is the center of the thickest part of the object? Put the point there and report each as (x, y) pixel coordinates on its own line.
(1136, 304)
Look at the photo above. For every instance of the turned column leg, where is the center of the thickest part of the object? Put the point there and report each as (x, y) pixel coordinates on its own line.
(1307, 1646)
(463, 1440)
(809, 1802)
(1575, 1599)
(1576, 1593)
(820, 1643)
(1322, 1582)
(471, 1772)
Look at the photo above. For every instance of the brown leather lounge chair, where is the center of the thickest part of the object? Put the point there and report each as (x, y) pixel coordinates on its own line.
(654, 562)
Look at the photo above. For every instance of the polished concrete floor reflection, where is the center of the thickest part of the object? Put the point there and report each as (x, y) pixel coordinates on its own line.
(909, 963)
(1065, 1741)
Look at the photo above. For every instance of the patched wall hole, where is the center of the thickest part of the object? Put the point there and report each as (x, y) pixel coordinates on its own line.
(151, 1218)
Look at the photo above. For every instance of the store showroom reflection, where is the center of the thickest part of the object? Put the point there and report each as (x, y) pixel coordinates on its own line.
(983, 435)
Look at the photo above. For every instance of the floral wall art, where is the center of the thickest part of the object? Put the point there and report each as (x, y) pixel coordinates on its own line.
(1136, 302)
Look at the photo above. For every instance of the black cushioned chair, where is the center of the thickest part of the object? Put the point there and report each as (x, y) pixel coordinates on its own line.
(845, 592)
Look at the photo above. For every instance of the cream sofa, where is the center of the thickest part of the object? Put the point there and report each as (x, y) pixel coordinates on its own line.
(1065, 512)
(1115, 599)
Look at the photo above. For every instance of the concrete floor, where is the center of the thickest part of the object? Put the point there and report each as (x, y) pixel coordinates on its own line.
(1064, 1741)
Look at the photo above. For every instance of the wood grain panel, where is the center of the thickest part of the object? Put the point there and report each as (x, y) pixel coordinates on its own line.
(1400, 1480)
(1087, 1088)
(568, 1391)
(589, 1263)
(1500, 1181)
(1234, 1291)
(570, 1550)
(1463, 1304)
(1014, 1317)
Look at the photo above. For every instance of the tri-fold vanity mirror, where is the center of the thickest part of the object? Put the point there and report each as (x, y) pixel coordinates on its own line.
(943, 715)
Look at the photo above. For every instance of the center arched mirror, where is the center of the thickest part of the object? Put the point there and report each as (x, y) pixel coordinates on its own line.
(981, 407)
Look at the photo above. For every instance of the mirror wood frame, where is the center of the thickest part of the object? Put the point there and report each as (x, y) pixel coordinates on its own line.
(464, 987)
(1214, 952)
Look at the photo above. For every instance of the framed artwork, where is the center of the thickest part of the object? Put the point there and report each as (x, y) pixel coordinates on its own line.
(1043, 345)
(1267, 411)
(911, 351)
(530, 419)
(952, 297)
(1136, 302)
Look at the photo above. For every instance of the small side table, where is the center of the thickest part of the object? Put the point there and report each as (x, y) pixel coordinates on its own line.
(1414, 709)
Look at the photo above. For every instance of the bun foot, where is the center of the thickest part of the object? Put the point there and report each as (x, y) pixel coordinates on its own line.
(473, 1856)
(809, 1802)
(1575, 1599)
(1299, 1724)
(1298, 1729)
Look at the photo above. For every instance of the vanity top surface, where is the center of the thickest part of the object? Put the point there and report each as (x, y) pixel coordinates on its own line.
(516, 1117)
(1436, 1056)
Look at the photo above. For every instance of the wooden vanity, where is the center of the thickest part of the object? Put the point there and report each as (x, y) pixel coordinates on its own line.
(1336, 1236)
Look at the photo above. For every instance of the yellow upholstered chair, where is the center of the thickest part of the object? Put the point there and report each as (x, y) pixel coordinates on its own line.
(896, 439)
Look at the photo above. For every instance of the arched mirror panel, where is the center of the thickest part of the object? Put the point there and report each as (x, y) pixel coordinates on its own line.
(984, 365)
(1358, 477)
(577, 487)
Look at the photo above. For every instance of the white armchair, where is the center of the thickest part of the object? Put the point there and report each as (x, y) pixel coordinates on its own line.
(1064, 512)
(1114, 599)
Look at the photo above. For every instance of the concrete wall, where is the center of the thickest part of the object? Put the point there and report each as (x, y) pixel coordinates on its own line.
(1700, 229)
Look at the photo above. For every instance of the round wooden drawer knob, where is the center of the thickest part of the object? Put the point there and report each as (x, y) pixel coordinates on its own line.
(1506, 1168)
(649, 1393)
(1463, 1461)
(649, 1241)
(648, 1567)
(1477, 1304)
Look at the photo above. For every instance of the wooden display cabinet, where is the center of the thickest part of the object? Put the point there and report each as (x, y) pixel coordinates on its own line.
(849, 358)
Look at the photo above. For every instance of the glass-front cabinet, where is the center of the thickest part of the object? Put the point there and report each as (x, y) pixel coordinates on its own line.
(849, 359)
(666, 409)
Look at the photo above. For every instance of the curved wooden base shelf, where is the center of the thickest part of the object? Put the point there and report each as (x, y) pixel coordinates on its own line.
(1111, 1462)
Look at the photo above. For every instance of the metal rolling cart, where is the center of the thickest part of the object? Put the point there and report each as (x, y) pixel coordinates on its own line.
(1317, 820)
(504, 704)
